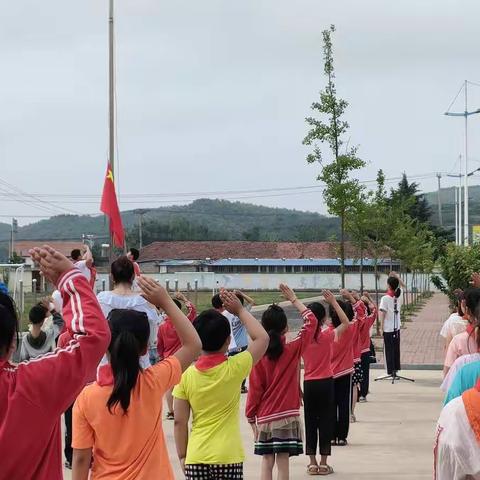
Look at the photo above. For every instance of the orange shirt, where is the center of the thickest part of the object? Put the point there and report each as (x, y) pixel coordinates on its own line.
(132, 446)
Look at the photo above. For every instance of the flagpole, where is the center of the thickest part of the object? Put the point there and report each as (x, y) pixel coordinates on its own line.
(111, 110)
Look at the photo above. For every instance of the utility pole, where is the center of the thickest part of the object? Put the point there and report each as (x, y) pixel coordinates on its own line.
(140, 212)
(439, 198)
(111, 104)
(13, 231)
(455, 190)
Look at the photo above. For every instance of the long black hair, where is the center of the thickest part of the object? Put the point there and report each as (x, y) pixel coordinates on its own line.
(320, 313)
(346, 307)
(8, 324)
(394, 284)
(472, 302)
(130, 334)
(274, 321)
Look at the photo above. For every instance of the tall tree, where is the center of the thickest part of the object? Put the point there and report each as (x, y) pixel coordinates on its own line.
(414, 202)
(328, 127)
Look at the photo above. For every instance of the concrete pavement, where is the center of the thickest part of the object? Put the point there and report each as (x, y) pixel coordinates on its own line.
(392, 440)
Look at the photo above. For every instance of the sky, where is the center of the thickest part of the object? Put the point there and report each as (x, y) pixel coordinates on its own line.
(211, 97)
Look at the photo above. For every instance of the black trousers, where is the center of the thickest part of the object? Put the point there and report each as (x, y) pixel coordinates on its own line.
(343, 389)
(68, 434)
(391, 342)
(365, 385)
(319, 408)
(236, 352)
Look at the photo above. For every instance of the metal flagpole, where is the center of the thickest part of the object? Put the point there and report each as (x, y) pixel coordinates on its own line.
(465, 193)
(111, 104)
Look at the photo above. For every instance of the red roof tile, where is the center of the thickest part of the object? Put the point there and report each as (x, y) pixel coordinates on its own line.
(238, 249)
(22, 247)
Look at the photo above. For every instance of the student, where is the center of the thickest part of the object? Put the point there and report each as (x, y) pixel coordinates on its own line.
(119, 416)
(360, 314)
(365, 342)
(168, 342)
(466, 342)
(465, 379)
(342, 366)
(456, 367)
(318, 389)
(210, 390)
(133, 255)
(239, 331)
(40, 341)
(456, 454)
(217, 304)
(455, 323)
(124, 297)
(84, 262)
(34, 394)
(273, 402)
(390, 308)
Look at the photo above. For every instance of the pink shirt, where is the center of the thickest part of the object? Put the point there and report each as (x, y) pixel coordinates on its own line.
(461, 344)
(317, 357)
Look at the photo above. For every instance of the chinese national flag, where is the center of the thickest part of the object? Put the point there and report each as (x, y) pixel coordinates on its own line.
(109, 207)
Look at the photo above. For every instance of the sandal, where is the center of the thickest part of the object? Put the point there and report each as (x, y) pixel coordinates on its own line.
(312, 470)
(324, 470)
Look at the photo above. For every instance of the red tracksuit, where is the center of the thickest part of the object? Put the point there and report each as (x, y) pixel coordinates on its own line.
(34, 394)
(168, 342)
(274, 391)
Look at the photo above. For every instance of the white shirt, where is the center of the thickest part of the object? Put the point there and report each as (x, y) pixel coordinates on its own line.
(457, 452)
(110, 301)
(392, 321)
(453, 325)
(231, 318)
(82, 266)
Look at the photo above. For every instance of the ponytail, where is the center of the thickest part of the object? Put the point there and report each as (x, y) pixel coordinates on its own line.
(394, 285)
(398, 292)
(130, 333)
(274, 321)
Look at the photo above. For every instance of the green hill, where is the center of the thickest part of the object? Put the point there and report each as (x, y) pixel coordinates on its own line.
(202, 219)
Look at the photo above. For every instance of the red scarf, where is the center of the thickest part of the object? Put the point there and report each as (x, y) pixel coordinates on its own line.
(470, 329)
(390, 293)
(206, 362)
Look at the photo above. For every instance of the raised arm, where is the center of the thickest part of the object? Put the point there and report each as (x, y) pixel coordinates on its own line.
(191, 310)
(158, 296)
(259, 337)
(310, 322)
(400, 281)
(87, 256)
(344, 322)
(248, 299)
(55, 379)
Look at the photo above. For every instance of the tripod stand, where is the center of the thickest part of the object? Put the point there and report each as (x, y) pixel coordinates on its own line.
(394, 378)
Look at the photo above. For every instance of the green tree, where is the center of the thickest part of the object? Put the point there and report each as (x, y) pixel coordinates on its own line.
(16, 259)
(414, 202)
(328, 127)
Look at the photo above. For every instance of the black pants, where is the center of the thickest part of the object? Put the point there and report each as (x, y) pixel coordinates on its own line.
(319, 407)
(391, 342)
(364, 386)
(342, 386)
(68, 434)
(236, 352)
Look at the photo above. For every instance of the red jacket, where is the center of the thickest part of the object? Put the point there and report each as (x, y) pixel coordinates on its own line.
(34, 394)
(168, 342)
(342, 356)
(365, 331)
(360, 316)
(274, 391)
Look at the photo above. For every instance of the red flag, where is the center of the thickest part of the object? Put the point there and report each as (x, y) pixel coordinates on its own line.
(109, 207)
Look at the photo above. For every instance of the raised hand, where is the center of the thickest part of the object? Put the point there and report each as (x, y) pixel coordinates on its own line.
(287, 292)
(475, 280)
(153, 292)
(355, 295)
(329, 297)
(347, 295)
(51, 262)
(231, 302)
(181, 297)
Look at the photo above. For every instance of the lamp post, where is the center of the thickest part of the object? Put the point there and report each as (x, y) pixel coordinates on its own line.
(465, 114)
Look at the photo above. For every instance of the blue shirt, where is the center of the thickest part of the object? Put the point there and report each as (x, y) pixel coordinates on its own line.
(239, 331)
(465, 379)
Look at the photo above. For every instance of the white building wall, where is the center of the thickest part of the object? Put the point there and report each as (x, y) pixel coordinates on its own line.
(261, 281)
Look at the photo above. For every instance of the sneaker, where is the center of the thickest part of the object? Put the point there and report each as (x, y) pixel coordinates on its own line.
(362, 400)
(170, 416)
(68, 465)
(353, 418)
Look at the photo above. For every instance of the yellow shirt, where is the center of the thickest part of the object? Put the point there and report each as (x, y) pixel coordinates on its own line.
(132, 446)
(214, 397)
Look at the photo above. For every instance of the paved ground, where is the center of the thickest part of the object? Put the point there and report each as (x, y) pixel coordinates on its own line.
(421, 341)
(391, 441)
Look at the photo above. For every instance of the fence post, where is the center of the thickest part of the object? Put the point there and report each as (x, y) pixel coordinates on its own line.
(104, 284)
(21, 294)
(176, 284)
(34, 290)
(196, 292)
(167, 284)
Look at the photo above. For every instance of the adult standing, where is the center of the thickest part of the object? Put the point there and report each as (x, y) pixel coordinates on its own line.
(389, 314)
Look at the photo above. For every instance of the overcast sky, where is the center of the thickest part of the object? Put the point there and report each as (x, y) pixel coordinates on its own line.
(212, 94)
